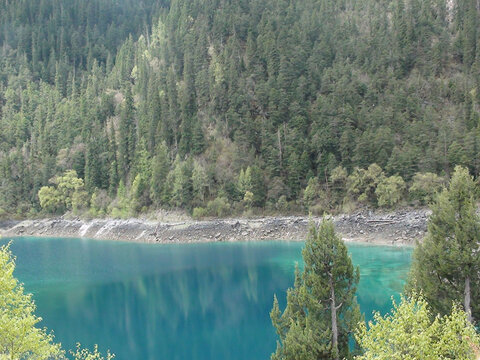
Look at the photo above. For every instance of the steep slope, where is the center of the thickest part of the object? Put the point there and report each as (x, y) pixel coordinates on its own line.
(241, 104)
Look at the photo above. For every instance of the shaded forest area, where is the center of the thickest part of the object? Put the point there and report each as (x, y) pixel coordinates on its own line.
(246, 106)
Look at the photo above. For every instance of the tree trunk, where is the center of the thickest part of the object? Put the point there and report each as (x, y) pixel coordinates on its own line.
(466, 303)
(334, 320)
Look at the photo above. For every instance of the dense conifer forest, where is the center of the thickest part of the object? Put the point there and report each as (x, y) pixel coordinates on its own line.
(119, 107)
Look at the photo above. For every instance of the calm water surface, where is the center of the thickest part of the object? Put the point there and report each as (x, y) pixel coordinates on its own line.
(192, 301)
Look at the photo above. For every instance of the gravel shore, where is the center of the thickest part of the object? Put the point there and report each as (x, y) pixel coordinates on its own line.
(396, 228)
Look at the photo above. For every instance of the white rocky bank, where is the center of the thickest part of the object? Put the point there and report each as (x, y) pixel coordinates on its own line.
(396, 228)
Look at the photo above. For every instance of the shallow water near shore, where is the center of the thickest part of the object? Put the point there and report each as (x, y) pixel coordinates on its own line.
(180, 301)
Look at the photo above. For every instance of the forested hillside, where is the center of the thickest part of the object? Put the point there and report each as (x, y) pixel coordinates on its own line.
(232, 106)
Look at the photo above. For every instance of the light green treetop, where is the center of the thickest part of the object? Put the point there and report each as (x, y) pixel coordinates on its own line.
(69, 193)
(19, 336)
(411, 332)
(390, 191)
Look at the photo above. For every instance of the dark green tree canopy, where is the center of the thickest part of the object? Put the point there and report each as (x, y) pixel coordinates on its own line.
(322, 311)
(291, 90)
(446, 266)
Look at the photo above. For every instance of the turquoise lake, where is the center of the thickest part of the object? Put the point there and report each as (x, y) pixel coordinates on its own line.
(182, 301)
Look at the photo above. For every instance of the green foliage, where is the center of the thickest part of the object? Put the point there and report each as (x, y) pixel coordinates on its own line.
(120, 207)
(127, 132)
(425, 186)
(321, 310)
(160, 169)
(282, 204)
(338, 183)
(20, 338)
(252, 181)
(200, 183)
(314, 198)
(244, 183)
(218, 207)
(446, 264)
(199, 213)
(317, 89)
(390, 191)
(362, 183)
(71, 190)
(412, 331)
(139, 198)
(50, 199)
(180, 179)
(85, 354)
(248, 199)
(69, 194)
(99, 203)
(311, 192)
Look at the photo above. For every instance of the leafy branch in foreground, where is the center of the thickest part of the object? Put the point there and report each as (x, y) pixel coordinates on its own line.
(410, 331)
(85, 354)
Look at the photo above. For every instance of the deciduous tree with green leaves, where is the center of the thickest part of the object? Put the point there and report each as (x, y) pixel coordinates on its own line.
(69, 193)
(425, 186)
(362, 183)
(411, 331)
(322, 310)
(390, 191)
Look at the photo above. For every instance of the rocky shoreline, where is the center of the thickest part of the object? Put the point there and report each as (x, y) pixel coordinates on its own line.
(395, 228)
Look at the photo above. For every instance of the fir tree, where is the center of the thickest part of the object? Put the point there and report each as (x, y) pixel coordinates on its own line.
(446, 264)
(127, 135)
(160, 169)
(322, 310)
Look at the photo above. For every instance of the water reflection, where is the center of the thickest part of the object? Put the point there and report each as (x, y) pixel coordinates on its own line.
(199, 314)
(208, 301)
(198, 302)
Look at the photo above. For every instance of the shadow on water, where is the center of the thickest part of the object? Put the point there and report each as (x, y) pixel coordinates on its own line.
(196, 301)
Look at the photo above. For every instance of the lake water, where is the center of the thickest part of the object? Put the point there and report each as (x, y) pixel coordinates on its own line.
(191, 301)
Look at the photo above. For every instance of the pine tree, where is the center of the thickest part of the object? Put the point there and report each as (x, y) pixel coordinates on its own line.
(322, 310)
(160, 169)
(470, 29)
(198, 139)
(113, 177)
(127, 130)
(257, 186)
(155, 111)
(95, 177)
(199, 183)
(446, 264)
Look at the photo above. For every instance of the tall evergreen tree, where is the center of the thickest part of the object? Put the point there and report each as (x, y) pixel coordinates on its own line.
(446, 265)
(160, 169)
(127, 135)
(322, 311)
